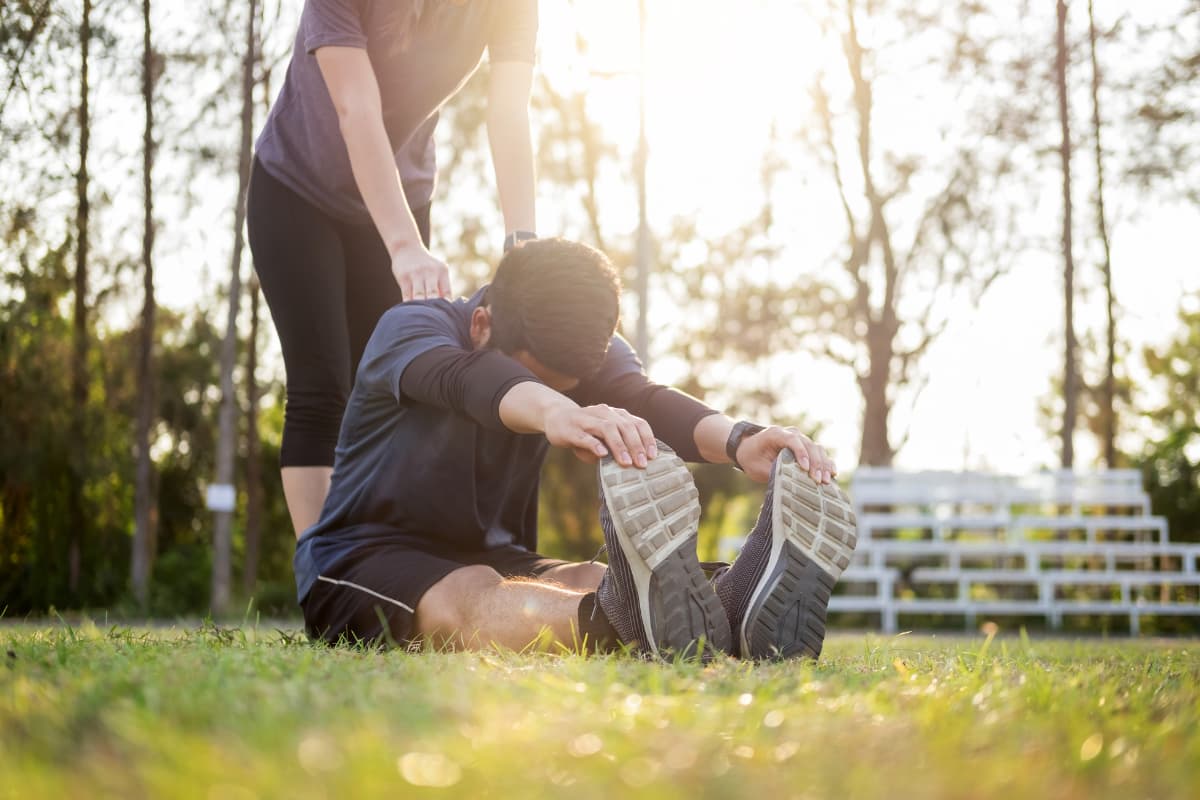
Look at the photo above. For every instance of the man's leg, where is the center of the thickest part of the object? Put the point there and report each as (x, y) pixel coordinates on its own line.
(476, 608)
(580, 577)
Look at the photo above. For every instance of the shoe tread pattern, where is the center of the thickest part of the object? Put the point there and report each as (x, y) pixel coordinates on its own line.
(818, 519)
(658, 509)
(817, 524)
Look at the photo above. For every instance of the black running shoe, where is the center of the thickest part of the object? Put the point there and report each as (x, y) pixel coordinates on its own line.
(777, 591)
(654, 592)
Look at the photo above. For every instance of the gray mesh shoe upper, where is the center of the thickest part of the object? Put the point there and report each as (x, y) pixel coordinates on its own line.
(733, 585)
(616, 592)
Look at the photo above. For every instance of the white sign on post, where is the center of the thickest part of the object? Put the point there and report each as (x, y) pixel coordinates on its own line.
(221, 497)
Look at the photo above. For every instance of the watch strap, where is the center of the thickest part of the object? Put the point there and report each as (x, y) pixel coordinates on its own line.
(513, 238)
(740, 431)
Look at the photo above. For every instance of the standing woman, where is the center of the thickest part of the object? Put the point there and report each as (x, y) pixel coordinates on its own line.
(334, 237)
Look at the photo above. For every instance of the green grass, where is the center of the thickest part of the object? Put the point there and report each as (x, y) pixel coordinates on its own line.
(249, 712)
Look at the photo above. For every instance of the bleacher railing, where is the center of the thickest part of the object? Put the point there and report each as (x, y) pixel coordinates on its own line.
(1044, 546)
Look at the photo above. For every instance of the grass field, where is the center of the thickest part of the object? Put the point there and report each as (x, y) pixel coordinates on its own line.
(212, 712)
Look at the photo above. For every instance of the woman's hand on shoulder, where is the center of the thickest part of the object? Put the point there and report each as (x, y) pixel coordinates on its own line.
(420, 275)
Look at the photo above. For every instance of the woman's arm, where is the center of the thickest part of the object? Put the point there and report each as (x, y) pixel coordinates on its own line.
(512, 145)
(355, 93)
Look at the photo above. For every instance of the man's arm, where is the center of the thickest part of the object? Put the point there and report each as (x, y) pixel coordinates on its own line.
(497, 391)
(695, 430)
(592, 432)
(757, 453)
(674, 416)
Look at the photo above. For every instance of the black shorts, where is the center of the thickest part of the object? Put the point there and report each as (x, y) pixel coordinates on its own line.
(374, 599)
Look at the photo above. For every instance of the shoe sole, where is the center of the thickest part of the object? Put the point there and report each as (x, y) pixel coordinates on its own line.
(655, 513)
(813, 537)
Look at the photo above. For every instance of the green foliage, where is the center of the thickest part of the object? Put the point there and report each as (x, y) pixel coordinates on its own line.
(1171, 461)
(40, 456)
(41, 453)
(97, 711)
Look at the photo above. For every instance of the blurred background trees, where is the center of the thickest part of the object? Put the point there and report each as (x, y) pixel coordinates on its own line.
(923, 142)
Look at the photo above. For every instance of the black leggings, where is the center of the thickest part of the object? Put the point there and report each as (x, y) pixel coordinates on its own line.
(327, 282)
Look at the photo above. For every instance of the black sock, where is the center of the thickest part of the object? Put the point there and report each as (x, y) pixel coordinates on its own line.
(594, 627)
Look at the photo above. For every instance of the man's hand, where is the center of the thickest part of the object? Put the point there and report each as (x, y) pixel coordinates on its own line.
(595, 431)
(419, 274)
(757, 453)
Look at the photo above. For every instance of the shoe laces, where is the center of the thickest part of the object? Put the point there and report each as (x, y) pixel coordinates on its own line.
(715, 569)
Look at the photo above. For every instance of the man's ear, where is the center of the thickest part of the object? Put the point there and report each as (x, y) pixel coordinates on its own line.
(481, 327)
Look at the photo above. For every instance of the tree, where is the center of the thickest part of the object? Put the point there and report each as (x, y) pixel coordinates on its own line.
(1108, 434)
(909, 251)
(227, 436)
(1165, 157)
(1070, 371)
(1171, 460)
(17, 42)
(144, 482)
(79, 376)
(254, 472)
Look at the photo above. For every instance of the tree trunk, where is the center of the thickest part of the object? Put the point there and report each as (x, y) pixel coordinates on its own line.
(1070, 389)
(222, 576)
(79, 381)
(643, 231)
(144, 496)
(876, 449)
(253, 453)
(1108, 416)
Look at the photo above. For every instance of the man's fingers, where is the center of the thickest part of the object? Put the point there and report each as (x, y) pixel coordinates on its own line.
(605, 429)
(586, 442)
(626, 437)
(443, 282)
(822, 464)
(616, 443)
(798, 444)
(808, 454)
(633, 439)
(647, 435)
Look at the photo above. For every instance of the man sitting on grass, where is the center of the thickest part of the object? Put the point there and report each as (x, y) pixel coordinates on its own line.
(430, 527)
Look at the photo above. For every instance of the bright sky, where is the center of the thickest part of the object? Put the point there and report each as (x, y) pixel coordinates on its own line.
(719, 74)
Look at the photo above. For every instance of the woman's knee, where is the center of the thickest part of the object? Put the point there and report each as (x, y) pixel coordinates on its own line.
(311, 423)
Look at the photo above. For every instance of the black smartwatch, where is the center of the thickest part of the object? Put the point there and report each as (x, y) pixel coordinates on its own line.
(511, 240)
(740, 431)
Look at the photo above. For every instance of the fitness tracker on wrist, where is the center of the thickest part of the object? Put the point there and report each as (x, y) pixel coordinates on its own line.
(740, 431)
(513, 238)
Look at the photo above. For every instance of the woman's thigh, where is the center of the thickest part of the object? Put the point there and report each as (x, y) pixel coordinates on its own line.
(301, 264)
(371, 288)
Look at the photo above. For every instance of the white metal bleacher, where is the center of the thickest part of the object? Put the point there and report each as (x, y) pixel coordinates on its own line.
(978, 545)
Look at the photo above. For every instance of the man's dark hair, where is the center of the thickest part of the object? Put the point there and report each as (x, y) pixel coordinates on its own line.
(559, 300)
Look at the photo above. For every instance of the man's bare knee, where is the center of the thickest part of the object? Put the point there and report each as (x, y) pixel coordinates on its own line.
(450, 605)
(584, 577)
